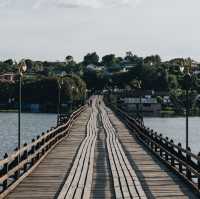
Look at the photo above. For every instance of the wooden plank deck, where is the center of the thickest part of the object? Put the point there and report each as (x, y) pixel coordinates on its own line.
(102, 186)
(156, 179)
(45, 181)
(79, 181)
(123, 182)
(99, 159)
(126, 183)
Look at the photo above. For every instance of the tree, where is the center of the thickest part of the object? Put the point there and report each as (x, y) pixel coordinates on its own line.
(109, 60)
(134, 60)
(135, 84)
(6, 91)
(9, 62)
(91, 58)
(173, 83)
(69, 59)
(129, 54)
(154, 59)
(80, 87)
(29, 64)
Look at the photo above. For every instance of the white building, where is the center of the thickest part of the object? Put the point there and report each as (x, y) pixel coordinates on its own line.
(94, 67)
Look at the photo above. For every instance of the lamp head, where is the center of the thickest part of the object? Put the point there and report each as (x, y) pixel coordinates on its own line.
(139, 84)
(22, 66)
(182, 68)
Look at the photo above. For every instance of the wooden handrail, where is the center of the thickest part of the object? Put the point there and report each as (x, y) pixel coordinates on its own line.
(17, 164)
(183, 161)
(15, 154)
(164, 139)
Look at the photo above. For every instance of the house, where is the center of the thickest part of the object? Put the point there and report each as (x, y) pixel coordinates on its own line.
(166, 100)
(150, 106)
(194, 65)
(8, 77)
(126, 68)
(38, 66)
(95, 68)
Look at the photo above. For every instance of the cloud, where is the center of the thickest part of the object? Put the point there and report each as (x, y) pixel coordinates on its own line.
(37, 4)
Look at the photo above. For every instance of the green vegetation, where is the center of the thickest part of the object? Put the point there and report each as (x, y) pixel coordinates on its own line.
(40, 81)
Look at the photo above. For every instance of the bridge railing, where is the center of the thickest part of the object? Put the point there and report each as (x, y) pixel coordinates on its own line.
(182, 161)
(15, 167)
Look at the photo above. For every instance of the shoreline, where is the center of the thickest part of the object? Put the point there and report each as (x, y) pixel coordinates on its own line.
(16, 111)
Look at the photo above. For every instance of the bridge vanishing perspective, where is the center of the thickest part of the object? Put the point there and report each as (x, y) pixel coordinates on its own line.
(101, 152)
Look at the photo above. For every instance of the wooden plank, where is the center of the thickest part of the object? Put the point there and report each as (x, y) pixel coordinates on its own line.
(155, 178)
(48, 176)
(78, 183)
(118, 164)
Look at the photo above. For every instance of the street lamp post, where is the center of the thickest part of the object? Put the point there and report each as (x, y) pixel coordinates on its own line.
(187, 79)
(58, 105)
(72, 100)
(187, 115)
(59, 83)
(21, 69)
(141, 105)
(187, 86)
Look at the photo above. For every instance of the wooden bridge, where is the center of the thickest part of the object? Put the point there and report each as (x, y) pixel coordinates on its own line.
(100, 152)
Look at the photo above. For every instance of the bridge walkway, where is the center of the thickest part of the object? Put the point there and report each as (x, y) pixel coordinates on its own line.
(102, 186)
(157, 180)
(101, 158)
(46, 179)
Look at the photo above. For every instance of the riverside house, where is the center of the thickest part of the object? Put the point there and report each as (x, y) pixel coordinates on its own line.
(7, 77)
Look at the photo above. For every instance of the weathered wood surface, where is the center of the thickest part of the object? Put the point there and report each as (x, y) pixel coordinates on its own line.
(156, 179)
(102, 185)
(126, 183)
(79, 181)
(46, 179)
(78, 184)
(99, 159)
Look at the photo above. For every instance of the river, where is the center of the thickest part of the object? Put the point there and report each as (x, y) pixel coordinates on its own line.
(31, 126)
(35, 124)
(174, 128)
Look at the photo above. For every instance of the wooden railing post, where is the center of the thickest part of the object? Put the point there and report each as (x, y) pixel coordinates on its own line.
(37, 147)
(172, 151)
(167, 147)
(15, 163)
(180, 155)
(151, 135)
(24, 157)
(4, 172)
(42, 143)
(198, 165)
(160, 142)
(156, 140)
(188, 159)
(32, 152)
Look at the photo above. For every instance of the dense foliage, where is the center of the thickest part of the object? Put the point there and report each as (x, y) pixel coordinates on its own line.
(40, 81)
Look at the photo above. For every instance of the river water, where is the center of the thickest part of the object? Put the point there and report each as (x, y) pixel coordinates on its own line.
(31, 126)
(174, 128)
(35, 124)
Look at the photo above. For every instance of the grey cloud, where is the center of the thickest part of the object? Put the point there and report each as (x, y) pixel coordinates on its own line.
(37, 4)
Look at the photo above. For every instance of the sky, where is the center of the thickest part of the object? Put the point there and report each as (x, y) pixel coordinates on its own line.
(53, 29)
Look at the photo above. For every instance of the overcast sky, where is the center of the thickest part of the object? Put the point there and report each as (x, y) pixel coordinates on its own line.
(52, 29)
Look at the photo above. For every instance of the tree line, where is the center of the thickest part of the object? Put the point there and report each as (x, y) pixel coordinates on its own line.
(109, 72)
